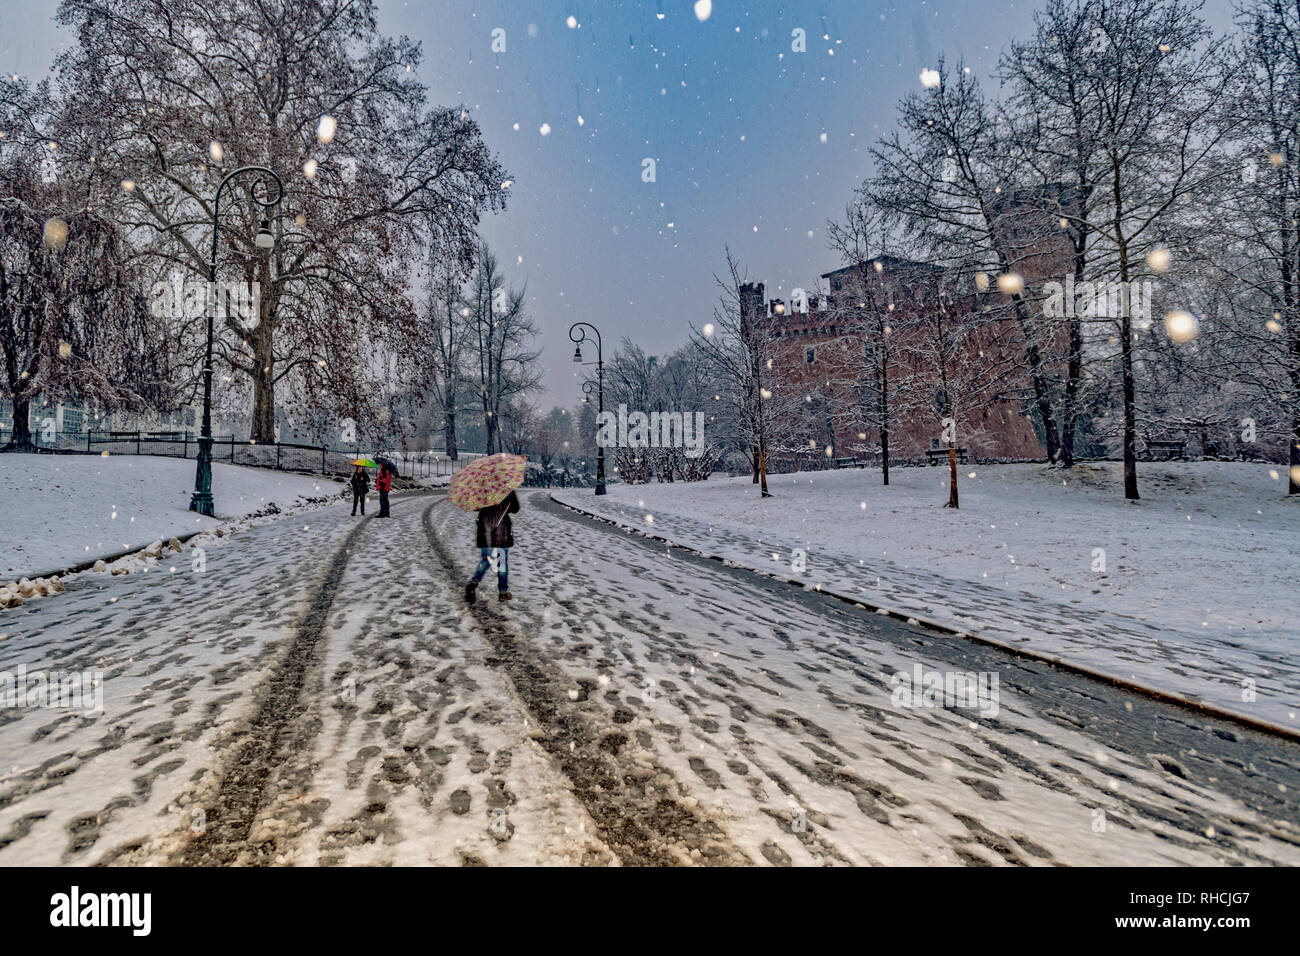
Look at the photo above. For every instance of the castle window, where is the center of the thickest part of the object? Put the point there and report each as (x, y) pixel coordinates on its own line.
(838, 284)
(810, 355)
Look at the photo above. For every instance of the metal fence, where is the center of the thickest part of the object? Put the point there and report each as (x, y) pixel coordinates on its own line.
(285, 456)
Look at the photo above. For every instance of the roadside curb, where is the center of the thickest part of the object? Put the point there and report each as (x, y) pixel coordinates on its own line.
(1164, 696)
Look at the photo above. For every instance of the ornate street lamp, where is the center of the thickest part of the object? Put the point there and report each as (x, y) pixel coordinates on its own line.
(578, 334)
(201, 500)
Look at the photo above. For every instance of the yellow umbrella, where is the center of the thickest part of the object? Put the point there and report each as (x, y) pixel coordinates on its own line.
(487, 482)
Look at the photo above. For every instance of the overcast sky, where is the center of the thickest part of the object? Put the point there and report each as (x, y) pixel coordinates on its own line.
(731, 116)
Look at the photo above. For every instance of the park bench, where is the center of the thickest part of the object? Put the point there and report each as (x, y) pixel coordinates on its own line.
(937, 455)
(850, 463)
(1165, 450)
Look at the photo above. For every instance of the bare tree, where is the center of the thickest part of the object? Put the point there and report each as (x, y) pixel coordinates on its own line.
(866, 310)
(73, 321)
(1050, 113)
(955, 370)
(737, 352)
(1156, 82)
(950, 179)
(447, 322)
(1259, 344)
(501, 337)
(524, 432)
(179, 93)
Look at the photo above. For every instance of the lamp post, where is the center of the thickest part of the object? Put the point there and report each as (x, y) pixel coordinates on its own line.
(578, 334)
(201, 500)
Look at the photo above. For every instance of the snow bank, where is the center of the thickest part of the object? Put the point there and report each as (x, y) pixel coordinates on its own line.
(60, 510)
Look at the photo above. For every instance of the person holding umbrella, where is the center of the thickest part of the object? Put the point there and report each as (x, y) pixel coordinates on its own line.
(360, 483)
(487, 486)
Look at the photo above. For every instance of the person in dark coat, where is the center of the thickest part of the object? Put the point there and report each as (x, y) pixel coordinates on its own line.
(494, 532)
(384, 484)
(360, 483)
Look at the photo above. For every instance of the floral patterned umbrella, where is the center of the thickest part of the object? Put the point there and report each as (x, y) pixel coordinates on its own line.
(487, 481)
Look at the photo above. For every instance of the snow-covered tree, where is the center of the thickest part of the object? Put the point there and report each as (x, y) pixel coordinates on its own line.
(73, 321)
(1257, 339)
(179, 93)
(1155, 82)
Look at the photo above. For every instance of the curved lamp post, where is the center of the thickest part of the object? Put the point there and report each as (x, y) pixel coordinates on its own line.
(201, 500)
(578, 334)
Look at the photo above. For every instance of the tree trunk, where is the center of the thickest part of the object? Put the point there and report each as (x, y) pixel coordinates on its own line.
(884, 454)
(1042, 399)
(22, 437)
(1126, 349)
(1130, 416)
(1293, 487)
(1044, 403)
(490, 427)
(762, 451)
(450, 440)
(952, 476)
(755, 481)
(1293, 460)
(884, 419)
(263, 430)
(1074, 370)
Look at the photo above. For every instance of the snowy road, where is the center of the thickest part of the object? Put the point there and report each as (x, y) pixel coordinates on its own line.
(320, 694)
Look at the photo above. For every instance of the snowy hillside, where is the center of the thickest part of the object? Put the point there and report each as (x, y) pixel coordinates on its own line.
(60, 510)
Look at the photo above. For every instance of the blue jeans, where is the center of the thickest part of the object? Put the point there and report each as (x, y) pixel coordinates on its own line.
(503, 569)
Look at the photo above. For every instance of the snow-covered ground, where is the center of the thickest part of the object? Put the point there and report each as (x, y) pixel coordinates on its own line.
(60, 510)
(320, 693)
(1193, 589)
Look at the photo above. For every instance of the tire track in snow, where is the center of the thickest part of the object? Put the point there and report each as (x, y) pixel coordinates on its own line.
(643, 826)
(252, 761)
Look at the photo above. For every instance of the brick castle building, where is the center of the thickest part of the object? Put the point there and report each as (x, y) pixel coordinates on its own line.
(939, 343)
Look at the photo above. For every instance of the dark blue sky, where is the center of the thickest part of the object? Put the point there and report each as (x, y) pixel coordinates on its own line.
(732, 117)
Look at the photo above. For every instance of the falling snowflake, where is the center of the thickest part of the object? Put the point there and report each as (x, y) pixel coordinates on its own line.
(1159, 259)
(1181, 325)
(55, 234)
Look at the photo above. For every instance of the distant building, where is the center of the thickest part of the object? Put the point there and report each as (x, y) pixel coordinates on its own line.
(828, 347)
(828, 353)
